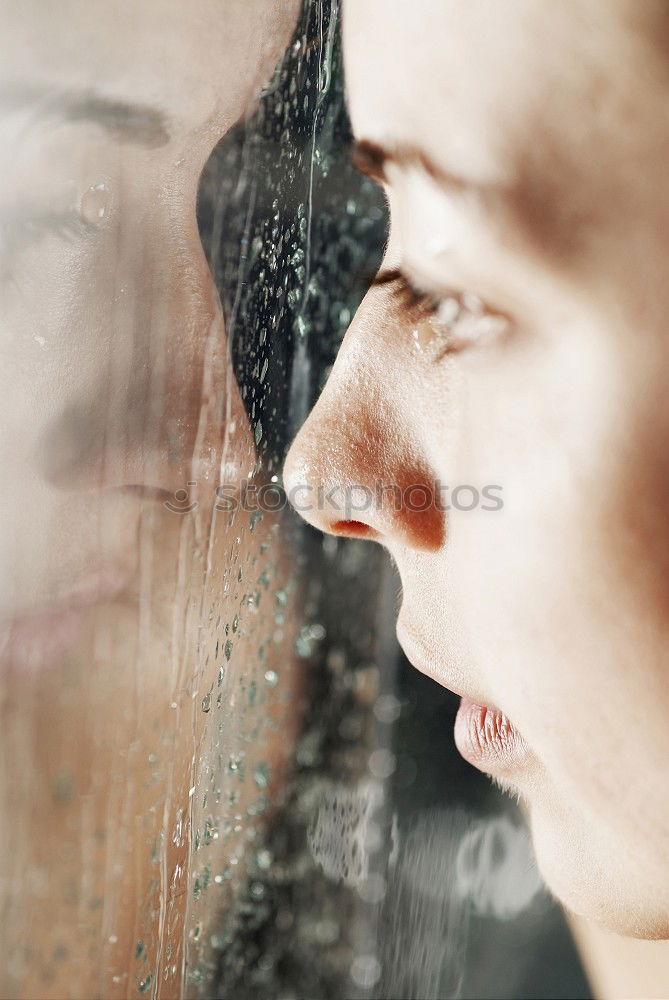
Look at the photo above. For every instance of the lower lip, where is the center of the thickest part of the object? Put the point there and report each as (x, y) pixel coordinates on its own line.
(36, 642)
(487, 740)
(39, 640)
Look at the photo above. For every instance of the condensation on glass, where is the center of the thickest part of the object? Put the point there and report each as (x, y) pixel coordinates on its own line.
(216, 778)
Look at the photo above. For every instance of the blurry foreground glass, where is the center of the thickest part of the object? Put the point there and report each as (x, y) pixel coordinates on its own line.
(145, 696)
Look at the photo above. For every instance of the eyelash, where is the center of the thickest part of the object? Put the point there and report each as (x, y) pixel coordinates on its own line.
(17, 232)
(419, 305)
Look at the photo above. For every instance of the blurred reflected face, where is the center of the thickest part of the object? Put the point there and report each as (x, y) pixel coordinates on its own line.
(109, 315)
(126, 600)
(517, 343)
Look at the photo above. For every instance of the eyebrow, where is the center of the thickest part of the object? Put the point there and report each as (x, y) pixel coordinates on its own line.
(521, 207)
(133, 122)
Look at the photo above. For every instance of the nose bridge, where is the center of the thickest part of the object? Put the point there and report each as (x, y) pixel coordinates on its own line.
(186, 391)
(161, 347)
(357, 467)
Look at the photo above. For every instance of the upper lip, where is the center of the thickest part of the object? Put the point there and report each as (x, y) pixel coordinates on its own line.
(94, 588)
(417, 653)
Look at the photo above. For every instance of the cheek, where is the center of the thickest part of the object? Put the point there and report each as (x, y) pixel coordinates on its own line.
(536, 422)
(541, 422)
(564, 589)
(598, 873)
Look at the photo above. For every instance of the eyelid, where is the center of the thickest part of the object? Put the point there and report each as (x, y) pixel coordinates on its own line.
(395, 276)
(387, 276)
(414, 299)
(413, 295)
(467, 308)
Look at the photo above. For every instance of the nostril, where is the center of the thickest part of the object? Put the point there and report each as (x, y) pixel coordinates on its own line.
(354, 529)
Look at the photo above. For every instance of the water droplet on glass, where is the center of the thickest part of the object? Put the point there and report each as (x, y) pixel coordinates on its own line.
(261, 775)
(423, 335)
(373, 889)
(264, 860)
(365, 971)
(382, 763)
(94, 204)
(303, 643)
(301, 327)
(257, 891)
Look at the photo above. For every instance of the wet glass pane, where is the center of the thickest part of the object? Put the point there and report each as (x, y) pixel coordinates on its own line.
(218, 776)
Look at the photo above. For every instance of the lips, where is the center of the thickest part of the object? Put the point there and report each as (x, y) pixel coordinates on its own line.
(487, 739)
(36, 641)
(484, 735)
(39, 638)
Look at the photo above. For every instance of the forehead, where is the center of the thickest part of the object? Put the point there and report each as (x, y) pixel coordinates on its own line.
(195, 58)
(474, 78)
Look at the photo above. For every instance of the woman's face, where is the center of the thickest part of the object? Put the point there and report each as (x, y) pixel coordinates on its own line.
(132, 662)
(109, 314)
(524, 149)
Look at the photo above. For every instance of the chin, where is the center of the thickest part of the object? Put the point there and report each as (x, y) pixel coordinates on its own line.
(598, 878)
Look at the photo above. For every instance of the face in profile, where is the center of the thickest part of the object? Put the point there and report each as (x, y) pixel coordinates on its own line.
(516, 342)
(129, 641)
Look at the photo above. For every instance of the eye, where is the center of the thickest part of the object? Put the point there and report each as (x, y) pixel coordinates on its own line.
(19, 231)
(24, 228)
(444, 324)
(21, 228)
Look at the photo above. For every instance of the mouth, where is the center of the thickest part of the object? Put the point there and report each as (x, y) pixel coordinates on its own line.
(484, 735)
(487, 739)
(38, 638)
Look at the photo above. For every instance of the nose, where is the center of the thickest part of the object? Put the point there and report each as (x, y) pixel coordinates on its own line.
(357, 467)
(133, 416)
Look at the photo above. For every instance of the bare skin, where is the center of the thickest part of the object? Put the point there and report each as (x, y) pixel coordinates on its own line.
(524, 148)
